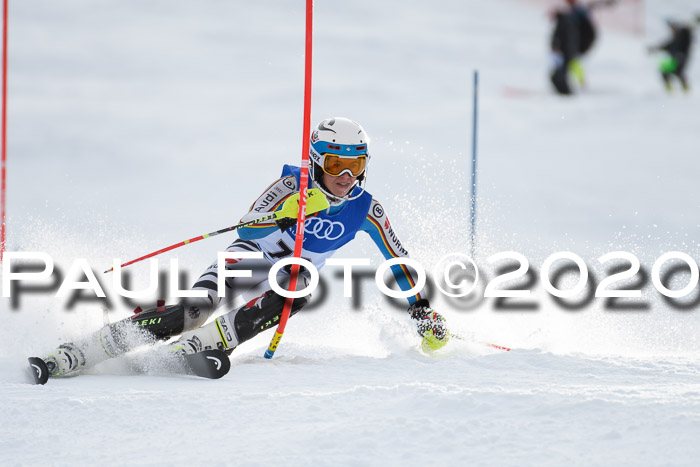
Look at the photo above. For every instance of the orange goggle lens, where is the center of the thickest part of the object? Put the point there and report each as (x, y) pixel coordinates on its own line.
(336, 165)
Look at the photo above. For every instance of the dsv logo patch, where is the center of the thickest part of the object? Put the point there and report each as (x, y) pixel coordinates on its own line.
(324, 229)
(289, 183)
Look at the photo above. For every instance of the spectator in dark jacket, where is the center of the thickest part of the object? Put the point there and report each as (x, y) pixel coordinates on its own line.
(586, 35)
(574, 35)
(563, 44)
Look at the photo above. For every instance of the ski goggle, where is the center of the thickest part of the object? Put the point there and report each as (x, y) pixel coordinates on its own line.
(335, 165)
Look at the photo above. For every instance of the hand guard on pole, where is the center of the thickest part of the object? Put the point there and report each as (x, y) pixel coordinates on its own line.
(286, 217)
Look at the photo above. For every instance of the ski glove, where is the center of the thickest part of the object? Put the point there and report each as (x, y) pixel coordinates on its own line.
(431, 325)
(286, 217)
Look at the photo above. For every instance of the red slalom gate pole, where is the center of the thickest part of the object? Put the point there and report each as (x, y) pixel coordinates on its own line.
(303, 181)
(4, 129)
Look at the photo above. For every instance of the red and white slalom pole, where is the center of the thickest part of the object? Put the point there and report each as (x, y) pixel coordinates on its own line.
(303, 182)
(3, 174)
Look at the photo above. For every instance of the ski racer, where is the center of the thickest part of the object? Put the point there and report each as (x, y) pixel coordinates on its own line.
(678, 48)
(338, 207)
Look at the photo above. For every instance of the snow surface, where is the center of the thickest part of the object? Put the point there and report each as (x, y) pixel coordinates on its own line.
(134, 125)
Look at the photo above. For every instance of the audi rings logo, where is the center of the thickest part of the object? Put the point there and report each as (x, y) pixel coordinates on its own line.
(324, 229)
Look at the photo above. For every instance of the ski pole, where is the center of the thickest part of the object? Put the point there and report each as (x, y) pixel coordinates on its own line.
(495, 346)
(488, 344)
(196, 239)
(316, 202)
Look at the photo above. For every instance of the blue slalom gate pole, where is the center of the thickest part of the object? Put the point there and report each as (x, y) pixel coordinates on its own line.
(472, 206)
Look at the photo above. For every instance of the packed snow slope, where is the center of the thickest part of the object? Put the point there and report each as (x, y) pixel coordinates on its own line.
(134, 125)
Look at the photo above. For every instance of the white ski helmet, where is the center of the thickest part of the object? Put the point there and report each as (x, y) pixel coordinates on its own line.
(339, 145)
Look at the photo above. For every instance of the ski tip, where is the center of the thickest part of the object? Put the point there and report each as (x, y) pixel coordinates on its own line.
(40, 372)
